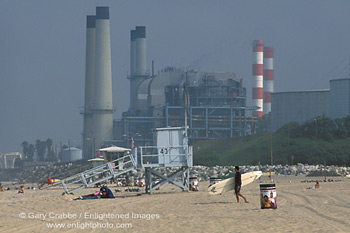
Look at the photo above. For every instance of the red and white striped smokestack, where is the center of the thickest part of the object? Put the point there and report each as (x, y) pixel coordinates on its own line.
(258, 51)
(268, 78)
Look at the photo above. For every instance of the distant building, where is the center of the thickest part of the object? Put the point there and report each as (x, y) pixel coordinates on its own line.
(8, 160)
(216, 106)
(71, 154)
(339, 98)
(299, 106)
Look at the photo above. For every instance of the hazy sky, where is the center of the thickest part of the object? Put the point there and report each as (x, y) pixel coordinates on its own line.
(42, 52)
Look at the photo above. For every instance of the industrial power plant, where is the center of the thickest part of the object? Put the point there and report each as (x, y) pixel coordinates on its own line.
(212, 104)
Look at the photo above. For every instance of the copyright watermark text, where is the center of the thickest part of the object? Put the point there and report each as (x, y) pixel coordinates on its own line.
(88, 220)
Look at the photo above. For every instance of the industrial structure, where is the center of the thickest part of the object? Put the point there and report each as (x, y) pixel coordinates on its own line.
(98, 107)
(71, 154)
(258, 73)
(8, 160)
(302, 106)
(213, 103)
(339, 98)
(298, 106)
(263, 78)
(268, 79)
(89, 86)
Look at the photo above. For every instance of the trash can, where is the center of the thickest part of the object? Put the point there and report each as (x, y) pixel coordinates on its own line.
(268, 196)
(193, 183)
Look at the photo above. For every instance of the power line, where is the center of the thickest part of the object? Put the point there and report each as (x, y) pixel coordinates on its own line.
(336, 67)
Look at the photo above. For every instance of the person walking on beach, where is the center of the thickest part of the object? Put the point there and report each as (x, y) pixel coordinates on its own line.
(238, 184)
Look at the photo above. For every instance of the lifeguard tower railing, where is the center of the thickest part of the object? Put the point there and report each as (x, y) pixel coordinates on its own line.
(152, 157)
(99, 174)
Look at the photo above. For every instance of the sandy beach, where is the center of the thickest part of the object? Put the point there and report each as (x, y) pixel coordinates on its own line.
(171, 210)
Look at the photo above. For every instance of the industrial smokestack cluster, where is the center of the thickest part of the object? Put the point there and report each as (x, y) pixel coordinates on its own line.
(98, 107)
(262, 78)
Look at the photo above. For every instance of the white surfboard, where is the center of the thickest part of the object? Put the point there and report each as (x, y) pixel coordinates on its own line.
(229, 184)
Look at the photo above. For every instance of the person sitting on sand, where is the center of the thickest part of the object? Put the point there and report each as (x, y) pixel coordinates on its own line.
(317, 185)
(21, 190)
(106, 193)
(103, 193)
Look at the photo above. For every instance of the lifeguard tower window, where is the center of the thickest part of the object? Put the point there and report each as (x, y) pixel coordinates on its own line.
(172, 150)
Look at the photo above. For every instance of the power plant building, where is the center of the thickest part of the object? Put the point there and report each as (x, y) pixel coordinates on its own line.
(339, 98)
(211, 104)
(215, 103)
(299, 106)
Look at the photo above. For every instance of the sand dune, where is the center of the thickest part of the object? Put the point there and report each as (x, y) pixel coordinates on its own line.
(170, 210)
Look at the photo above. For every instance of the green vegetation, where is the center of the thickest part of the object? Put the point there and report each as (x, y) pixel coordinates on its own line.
(43, 149)
(316, 142)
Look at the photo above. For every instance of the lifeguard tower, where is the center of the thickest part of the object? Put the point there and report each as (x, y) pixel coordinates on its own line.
(172, 150)
(117, 161)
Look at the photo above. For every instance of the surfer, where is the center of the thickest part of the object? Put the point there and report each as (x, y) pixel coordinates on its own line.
(238, 184)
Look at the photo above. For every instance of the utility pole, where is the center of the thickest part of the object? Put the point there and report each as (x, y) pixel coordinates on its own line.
(185, 106)
(271, 157)
(271, 151)
(316, 129)
(289, 144)
(69, 148)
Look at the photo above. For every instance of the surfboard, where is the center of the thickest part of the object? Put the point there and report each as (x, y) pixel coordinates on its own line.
(229, 184)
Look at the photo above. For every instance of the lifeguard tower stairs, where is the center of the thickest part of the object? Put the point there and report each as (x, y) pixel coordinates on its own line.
(172, 151)
(99, 174)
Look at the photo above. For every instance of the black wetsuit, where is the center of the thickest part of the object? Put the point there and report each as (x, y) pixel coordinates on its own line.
(238, 182)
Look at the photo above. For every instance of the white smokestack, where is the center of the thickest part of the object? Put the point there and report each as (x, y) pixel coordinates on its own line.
(103, 107)
(89, 87)
(140, 50)
(137, 63)
(132, 52)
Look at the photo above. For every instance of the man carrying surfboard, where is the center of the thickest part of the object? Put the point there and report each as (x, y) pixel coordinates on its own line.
(238, 184)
